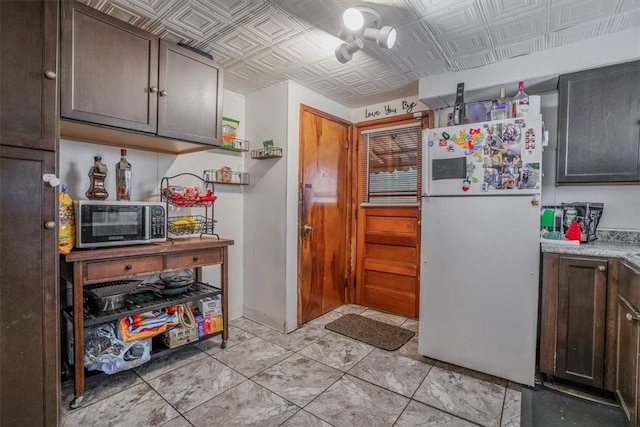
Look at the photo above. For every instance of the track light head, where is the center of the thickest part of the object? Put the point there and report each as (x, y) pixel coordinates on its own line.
(385, 36)
(345, 51)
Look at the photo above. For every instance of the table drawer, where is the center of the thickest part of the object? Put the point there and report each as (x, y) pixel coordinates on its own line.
(123, 267)
(194, 259)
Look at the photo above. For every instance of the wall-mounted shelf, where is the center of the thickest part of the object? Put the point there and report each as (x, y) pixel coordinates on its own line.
(226, 176)
(235, 145)
(266, 153)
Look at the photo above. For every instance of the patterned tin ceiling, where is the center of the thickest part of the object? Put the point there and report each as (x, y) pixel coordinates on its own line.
(261, 43)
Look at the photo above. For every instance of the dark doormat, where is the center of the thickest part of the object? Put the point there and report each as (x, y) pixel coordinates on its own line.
(370, 331)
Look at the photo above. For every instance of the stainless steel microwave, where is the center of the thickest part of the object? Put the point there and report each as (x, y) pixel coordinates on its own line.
(101, 223)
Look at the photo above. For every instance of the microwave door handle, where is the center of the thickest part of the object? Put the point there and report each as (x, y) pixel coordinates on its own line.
(147, 222)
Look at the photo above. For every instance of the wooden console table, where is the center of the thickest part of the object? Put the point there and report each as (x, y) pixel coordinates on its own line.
(88, 266)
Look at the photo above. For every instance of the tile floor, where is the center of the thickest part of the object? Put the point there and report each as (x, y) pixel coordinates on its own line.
(310, 377)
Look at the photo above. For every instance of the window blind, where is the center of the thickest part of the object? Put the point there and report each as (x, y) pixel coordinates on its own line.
(392, 165)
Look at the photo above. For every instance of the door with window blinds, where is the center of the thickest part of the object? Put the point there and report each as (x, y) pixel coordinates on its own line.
(388, 233)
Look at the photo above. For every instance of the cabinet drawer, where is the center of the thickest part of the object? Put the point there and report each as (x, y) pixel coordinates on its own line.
(123, 267)
(194, 259)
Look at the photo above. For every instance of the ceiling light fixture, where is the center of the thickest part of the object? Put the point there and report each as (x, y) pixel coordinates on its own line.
(359, 24)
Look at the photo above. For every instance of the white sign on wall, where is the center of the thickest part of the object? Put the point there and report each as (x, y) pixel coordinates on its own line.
(388, 109)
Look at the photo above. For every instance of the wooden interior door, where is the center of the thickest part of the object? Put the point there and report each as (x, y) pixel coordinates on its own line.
(387, 275)
(323, 213)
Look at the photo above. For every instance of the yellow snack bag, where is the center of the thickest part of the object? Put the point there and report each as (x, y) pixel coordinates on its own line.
(66, 232)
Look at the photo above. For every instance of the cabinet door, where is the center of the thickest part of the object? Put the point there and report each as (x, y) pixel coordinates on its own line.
(599, 125)
(580, 345)
(109, 70)
(628, 351)
(190, 96)
(29, 306)
(28, 53)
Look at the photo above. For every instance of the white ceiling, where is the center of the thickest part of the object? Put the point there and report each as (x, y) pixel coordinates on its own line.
(264, 42)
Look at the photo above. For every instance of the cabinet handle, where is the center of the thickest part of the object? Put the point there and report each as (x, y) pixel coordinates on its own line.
(163, 92)
(50, 225)
(153, 89)
(51, 75)
(631, 317)
(602, 268)
(196, 258)
(128, 267)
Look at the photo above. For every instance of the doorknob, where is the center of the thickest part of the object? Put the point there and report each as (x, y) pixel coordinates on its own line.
(307, 228)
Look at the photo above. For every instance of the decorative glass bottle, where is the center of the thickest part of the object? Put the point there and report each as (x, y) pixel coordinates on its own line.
(123, 177)
(520, 102)
(97, 175)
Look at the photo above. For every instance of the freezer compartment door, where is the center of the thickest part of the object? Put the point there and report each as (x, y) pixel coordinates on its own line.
(490, 158)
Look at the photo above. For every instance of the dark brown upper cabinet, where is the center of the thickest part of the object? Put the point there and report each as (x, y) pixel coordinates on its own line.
(109, 69)
(599, 125)
(190, 95)
(117, 75)
(28, 87)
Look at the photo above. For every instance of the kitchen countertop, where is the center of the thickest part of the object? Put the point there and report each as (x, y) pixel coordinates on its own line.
(629, 252)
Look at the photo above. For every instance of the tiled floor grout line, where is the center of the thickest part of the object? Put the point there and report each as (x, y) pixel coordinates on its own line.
(344, 373)
(297, 351)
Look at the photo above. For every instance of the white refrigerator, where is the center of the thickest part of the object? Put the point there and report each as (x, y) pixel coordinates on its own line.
(480, 246)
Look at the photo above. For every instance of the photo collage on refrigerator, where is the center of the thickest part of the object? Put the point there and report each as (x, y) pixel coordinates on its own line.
(500, 155)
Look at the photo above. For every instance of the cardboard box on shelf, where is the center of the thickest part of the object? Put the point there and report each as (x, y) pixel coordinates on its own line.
(179, 336)
(210, 305)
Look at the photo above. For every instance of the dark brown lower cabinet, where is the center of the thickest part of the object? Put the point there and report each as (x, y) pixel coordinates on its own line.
(628, 348)
(577, 339)
(29, 315)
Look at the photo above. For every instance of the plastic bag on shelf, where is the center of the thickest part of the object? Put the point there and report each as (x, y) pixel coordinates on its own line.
(66, 232)
(104, 351)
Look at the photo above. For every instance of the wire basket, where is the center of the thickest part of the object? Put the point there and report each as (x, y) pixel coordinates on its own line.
(226, 176)
(266, 153)
(188, 197)
(234, 144)
(190, 224)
